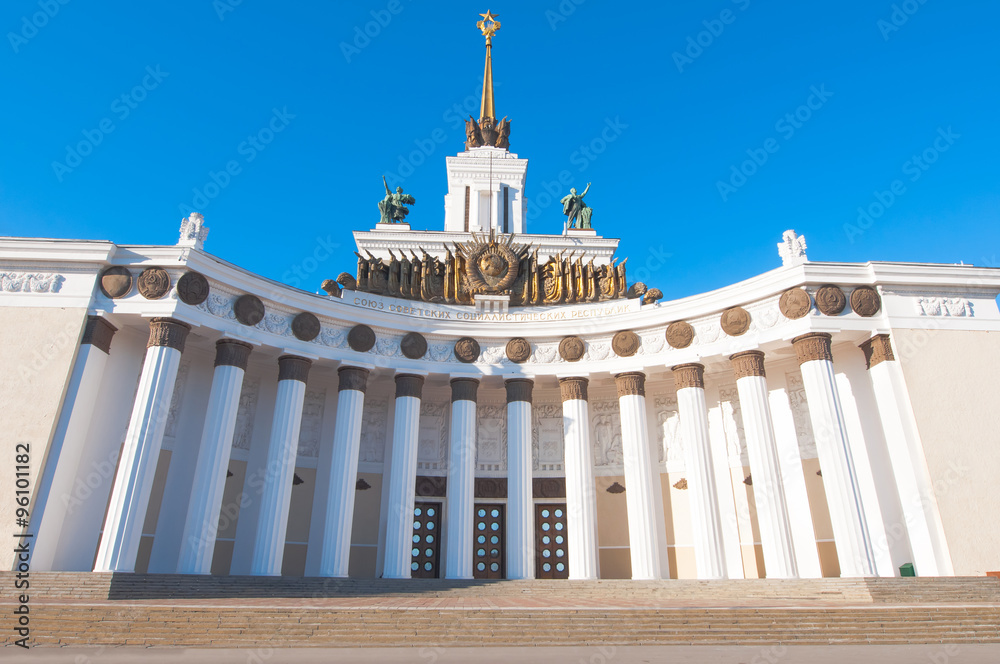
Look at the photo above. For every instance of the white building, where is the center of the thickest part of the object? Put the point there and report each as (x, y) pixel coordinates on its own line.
(495, 405)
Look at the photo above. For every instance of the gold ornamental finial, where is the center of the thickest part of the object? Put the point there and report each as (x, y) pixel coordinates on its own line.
(489, 25)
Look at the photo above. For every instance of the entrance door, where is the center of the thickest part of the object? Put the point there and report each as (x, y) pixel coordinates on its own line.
(551, 561)
(487, 554)
(426, 541)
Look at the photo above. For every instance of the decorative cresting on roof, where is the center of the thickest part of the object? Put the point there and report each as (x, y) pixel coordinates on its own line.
(748, 363)
(494, 265)
(877, 350)
(232, 353)
(352, 378)
(293, 367)
(632, 383)
(167, 332)
(574, 388)
(98, 333)
(464, 389)
(813, 346)
(409, 385)
(689, 375)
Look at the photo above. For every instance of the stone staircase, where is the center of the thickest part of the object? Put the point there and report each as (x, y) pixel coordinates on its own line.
(69, 608)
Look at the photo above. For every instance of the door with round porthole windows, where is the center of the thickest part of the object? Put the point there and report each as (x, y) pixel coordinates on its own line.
(488, 548)
(551, 561)
(426, 552)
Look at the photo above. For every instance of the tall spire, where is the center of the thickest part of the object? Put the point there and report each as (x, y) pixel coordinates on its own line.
(489, 25)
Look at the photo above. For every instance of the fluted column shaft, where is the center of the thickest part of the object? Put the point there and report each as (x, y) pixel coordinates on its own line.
(931, 556)
(71, 438)
(402, 477)
(336, 555)
(581, 493)
(642, 487)
(461, 479)
(276, 495)
(202, 523)
(840, 481)
(706, 521)
(768, 490)
(520, 501)
(137, 466)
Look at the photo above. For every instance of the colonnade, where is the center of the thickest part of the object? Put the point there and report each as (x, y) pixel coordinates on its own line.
(783, 552)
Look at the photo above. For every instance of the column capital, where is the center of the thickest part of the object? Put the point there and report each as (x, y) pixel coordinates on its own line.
(748, 363)
(574, 388)
(519, 389)
(689, 375)
(631, 383)
(168, 332)
(464, 389)
(232, 353)
(813, 346)
(877, 350)
(353, 378)
(98, 333)
(409, 385)
(293, 367)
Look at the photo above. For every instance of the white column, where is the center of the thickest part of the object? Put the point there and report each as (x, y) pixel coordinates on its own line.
(768, 490)
(461, 479)
(202, 523)
(70, 440)
(137, 464)
(520, 499)
(276, 495)
(929, 546)
(581, 493)
(336, 552)
(402, 478)
(706, 521)
(642, 485)
(840, 481)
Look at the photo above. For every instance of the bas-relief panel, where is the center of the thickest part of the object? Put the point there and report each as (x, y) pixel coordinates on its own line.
(432, 447)
(491, 448)
(670, 442)
(246, 413)
(606, 429)
(177, 398)
(732, 425)
(373, 427)
(547, 436)
(800, 415)
(312, 423)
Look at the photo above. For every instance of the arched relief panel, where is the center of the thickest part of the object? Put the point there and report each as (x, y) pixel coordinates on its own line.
(435, 423)
(491, 446)
(547, 437)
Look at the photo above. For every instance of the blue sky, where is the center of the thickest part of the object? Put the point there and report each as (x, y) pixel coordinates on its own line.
(707, 128)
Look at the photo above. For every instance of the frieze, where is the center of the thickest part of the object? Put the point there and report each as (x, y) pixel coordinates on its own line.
(518, 350)
(361, 338)
(248, 309)
(944, 306)
(865, 301)
(467, 350)
(491, 487)
(794, 303)
(735, 321)
(493, 354)
(679, 334)
(413, 345)
(305, 326)
(153, 283)
(277, 324)
(431, 487)
(625, 343)
(830, 300)
(548, 487)
(652, 344)
(193, 288)
(31, 282)
(598, 350)
(572, 348)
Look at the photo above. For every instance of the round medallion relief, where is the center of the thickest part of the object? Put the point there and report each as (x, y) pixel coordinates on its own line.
(154, 282)
(413, 345)
(305, 326)
(361, 338)
(625, 343)
(192, 288)
(518, 350)
(865, 301)
(830, 300)
(116, 282)
(249, 309)
(680, 334)
(735, 321)
(467, 350)
(794, 303)
(572, 349)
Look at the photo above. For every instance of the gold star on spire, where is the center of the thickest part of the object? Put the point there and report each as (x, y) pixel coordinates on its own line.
(489, 25)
